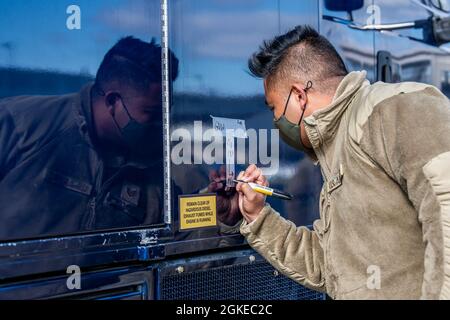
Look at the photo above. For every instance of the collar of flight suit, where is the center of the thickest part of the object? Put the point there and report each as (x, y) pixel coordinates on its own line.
(322, 125)
(83, 107)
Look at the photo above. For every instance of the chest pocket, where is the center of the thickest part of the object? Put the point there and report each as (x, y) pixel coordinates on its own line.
(124, 197)
(68, 182)
(326, 200)
(323, 224)
(123, 205)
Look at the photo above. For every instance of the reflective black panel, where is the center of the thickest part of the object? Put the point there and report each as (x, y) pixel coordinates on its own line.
(76, 157)
(213, 41)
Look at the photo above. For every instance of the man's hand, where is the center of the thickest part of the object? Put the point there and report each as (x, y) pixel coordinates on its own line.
(251, 202)
(227, 200)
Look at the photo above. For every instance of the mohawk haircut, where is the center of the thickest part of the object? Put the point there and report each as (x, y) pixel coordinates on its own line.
(135, 63)
(301, 54)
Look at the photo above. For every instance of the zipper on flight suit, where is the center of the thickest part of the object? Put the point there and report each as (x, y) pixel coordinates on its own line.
(93, 201)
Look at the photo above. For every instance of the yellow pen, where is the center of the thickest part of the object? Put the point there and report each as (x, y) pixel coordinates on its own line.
(267, 191)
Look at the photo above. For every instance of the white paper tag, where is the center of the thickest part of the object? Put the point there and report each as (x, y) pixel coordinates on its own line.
(230, 128)
(235, 126)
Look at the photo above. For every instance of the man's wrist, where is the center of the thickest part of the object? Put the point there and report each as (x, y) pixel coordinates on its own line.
(252, 217)
(247, 227)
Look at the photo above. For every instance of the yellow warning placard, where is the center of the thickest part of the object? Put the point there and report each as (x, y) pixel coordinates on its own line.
(197, 211)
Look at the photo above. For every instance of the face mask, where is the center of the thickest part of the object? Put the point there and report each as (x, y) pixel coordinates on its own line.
(138, 136)
(290, 132)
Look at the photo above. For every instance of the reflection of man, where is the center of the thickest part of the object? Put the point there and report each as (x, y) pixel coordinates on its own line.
(87, 160)
(384, 151)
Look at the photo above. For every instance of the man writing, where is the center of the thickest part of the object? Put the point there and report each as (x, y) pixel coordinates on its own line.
(384, 152)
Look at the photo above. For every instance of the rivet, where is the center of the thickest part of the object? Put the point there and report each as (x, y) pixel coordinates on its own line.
(180, 269)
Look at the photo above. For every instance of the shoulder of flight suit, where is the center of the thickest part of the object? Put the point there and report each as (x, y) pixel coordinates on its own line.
(30, 122)
(408, 136)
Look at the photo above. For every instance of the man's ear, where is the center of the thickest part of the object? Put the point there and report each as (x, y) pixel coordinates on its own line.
(300, 94)
(111, 98)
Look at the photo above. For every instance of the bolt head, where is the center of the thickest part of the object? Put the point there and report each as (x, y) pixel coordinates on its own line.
(180, 269)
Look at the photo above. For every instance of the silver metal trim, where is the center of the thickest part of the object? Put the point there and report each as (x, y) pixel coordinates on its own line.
(166, 109)
(380, 27)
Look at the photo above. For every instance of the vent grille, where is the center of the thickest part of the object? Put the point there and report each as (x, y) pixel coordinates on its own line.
(252, 281)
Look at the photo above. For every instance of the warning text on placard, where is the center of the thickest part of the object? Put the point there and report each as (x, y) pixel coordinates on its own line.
(197, 211)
